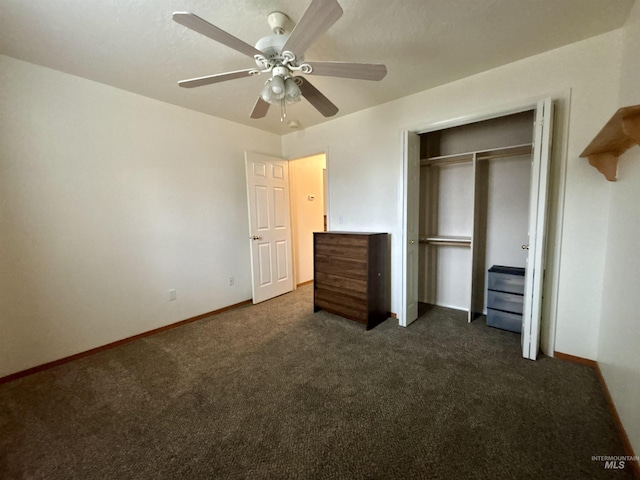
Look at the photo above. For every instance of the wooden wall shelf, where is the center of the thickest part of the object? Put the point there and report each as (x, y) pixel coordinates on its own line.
(619, 134)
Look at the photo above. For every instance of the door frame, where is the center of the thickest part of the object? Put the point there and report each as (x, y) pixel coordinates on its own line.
(556, 196)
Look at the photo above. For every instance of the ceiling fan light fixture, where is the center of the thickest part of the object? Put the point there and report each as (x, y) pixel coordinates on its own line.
(267, 93)
(291, 90)
(282, 92)
(277, 90)
(277, 85)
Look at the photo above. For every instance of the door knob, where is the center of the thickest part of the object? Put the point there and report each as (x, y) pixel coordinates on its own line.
(525, 247)
(256, 237)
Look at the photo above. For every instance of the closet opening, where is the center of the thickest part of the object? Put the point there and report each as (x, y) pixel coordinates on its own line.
(475, 184)
(475, 196)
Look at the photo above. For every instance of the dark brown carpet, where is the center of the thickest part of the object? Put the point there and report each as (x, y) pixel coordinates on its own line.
(275, 391)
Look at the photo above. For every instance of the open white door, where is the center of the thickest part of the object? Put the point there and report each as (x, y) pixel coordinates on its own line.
(534, 275)
(270, 226)
(411, 211)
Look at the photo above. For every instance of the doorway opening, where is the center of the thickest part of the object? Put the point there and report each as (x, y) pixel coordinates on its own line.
(308, 180)
(286, 204)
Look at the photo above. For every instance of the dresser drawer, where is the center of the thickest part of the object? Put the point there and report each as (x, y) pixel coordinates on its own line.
(351, 251)
(346, 240)
(334, 302)
(345, 267)
(337, 283)
(508, 302)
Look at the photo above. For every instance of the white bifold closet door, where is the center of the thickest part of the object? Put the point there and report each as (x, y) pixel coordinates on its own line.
(534, 275)
(410, 251)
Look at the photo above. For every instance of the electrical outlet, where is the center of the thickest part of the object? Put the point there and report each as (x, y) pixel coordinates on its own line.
(172, 294)
(232, 281)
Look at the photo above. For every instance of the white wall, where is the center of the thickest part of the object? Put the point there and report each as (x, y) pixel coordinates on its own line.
(108, 200)
(308, 215)
(365, 165)
(619, 345)
(508, 211)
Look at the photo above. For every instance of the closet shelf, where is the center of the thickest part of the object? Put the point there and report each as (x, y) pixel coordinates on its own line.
(452, 240)
(501, 152)
(619, 134)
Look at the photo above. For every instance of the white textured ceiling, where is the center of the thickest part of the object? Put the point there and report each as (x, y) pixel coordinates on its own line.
(134, 45)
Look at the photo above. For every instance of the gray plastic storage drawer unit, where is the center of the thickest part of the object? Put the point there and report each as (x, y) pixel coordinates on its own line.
(506, 279)
(505, 298)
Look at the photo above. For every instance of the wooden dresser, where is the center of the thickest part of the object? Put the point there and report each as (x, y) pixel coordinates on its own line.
(350, 272)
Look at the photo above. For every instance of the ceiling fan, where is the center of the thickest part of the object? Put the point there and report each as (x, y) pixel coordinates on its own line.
(281, 55)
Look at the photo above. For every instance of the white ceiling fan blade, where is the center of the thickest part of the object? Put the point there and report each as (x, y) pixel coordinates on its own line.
(203, 27)
(260, 109)
(316, 20)
(317, 99)
(209, 79)
(360, 71)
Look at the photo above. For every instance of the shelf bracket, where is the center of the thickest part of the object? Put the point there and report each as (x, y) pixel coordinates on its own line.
(619, 134)
(606, 163)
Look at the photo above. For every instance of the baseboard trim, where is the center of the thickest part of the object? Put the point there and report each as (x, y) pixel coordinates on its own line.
(308, 282)
(622, 433)
(102, 348)
(635, 465)
(574, 359)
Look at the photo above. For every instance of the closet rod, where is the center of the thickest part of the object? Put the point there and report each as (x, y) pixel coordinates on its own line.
(501, 152)
(447, 244)
(509, 154)
(452, 240)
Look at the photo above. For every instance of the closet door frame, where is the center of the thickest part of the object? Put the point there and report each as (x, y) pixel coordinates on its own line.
(408, 272)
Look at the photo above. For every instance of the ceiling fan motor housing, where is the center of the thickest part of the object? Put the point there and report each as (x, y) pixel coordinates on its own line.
(271, 45)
